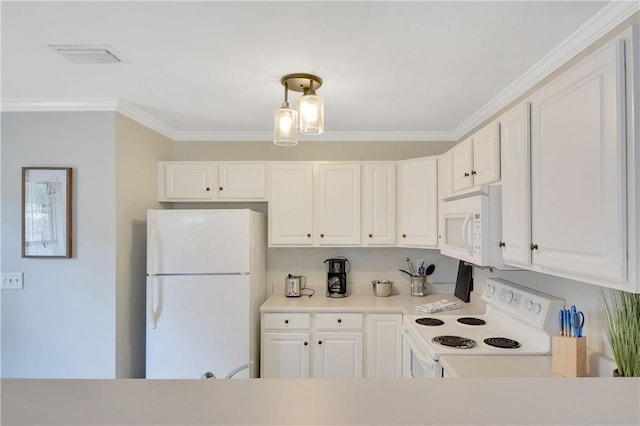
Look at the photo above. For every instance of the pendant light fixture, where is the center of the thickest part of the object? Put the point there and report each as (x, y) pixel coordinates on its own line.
(309, 118)
(285, 123)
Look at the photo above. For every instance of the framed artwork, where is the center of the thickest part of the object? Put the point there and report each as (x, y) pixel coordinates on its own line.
(46, 212)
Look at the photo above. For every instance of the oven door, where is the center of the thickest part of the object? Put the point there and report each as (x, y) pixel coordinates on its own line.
(416, 363)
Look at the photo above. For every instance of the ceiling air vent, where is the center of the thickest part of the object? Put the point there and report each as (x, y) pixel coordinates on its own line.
(84, 54)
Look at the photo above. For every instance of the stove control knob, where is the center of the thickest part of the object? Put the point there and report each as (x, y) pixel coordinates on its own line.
(536, 308)
(490, 290)
(508, 296)
(528, 305)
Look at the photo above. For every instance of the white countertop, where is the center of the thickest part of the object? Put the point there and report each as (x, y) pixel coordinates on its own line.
(397, 303)
(496, 366)
(559, 401)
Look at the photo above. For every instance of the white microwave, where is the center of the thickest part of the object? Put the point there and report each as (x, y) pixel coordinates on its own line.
(472, 226)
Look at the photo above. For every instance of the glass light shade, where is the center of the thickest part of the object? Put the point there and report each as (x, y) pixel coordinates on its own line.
(285, 129)
(311, 114)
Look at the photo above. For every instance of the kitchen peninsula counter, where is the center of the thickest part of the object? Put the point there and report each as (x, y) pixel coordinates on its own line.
(586, 401)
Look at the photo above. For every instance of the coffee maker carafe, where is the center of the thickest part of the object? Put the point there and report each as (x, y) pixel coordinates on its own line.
(337, 269)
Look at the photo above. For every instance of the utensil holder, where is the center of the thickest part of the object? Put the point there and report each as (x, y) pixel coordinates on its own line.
(569, 356)
(419, 286)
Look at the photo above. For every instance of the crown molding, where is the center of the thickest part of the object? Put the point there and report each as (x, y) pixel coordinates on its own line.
(598, 26)
(325, 137)
(607, 19)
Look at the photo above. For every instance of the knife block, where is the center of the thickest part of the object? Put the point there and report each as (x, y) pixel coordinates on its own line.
(569, 356)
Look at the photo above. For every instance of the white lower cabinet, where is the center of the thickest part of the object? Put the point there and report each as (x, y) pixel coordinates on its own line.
(331, 345)
(337, 355)
(285, 355)
(383, 353)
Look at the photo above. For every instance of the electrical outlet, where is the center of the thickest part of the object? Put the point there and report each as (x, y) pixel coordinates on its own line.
(12, 281)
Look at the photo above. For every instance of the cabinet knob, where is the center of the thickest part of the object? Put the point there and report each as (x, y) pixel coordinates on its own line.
(221, 188)
(404, 235)
(286, 321)
(473, 172)
(533, 246)
(308, 235)
(319, 342)
(501, 244)
(321, 235)
(370, 235)
(208, 189)
(306, 343)
(339, 320)
(466, 174)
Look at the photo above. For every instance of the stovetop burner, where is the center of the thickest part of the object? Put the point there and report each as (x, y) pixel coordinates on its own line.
(454, 342)
(471, 321)
(502, 342)
(429, 321)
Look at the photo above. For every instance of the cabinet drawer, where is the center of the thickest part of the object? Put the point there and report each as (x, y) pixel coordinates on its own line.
(286, 321)
(340, 321)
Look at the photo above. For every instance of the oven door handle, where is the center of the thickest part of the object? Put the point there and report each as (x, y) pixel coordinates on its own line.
(418, 352)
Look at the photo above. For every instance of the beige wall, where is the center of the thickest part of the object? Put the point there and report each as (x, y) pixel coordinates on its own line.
(307, 150)
(138, 151)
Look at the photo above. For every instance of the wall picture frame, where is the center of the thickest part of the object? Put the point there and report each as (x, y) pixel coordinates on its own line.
(46, 212)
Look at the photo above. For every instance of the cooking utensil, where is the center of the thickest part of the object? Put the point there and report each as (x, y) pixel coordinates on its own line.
(430, 269)
(411, 268)
(408, 273)
(382, 288)
(577, 321)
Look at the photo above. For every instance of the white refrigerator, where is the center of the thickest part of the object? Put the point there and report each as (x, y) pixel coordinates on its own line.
(206, 279)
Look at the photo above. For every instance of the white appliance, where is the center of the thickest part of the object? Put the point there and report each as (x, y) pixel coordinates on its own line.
(517, 321)
(206, 275)
(472, 226)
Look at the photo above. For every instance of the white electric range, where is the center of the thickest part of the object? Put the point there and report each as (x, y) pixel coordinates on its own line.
(517, 321)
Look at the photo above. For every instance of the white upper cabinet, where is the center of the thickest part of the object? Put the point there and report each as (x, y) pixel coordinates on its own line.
(516, 186)
(462, 165)
(186, 181)
(379, 204)
(337, 192)
(291, 204)
(418, 203)
(578, 170)
(314, 204)
(476, 160)
(242, 181)
(203, 181)
(486, 155)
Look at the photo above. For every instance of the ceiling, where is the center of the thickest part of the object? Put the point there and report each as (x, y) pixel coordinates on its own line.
(210, 70)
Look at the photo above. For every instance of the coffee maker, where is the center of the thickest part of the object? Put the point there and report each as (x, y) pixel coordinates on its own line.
(337, 269)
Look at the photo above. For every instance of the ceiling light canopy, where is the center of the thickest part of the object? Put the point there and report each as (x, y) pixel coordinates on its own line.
(308, 118)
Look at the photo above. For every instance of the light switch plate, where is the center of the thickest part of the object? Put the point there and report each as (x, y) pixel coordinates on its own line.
(12, 281)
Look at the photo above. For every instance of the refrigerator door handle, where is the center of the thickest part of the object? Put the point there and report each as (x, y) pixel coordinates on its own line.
(154, 313)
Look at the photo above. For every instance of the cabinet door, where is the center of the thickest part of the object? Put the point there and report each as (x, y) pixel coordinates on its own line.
(285, 355)
(444, 188)
(290, 204)
(486, 155)
(188, 181)
(379, 209)
(384, 346)
(237, 181)
(578, 168)
(461, 165)
(418, 203)
(516, 186)
(338, 355)
(338, 201)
